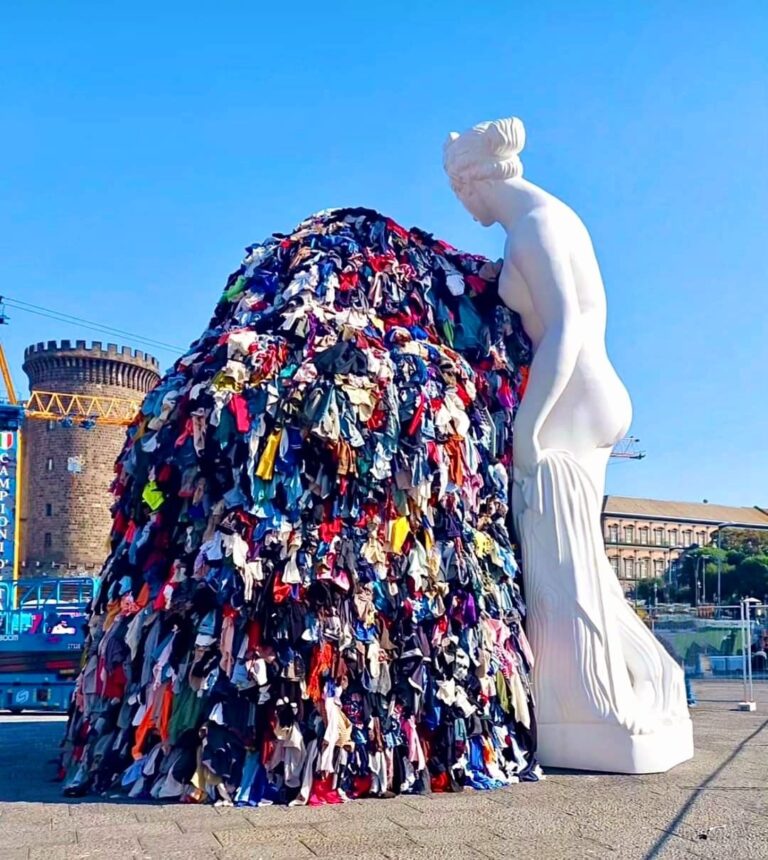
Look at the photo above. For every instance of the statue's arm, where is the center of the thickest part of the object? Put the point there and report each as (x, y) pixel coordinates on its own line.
(545, 266)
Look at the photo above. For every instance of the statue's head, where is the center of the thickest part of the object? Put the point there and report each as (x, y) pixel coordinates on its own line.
(487, 153)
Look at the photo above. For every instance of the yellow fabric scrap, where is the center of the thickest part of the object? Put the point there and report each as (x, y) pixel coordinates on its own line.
(224, 382)
(429, 540)
(400, 531)
(266, 468)
(483, 543)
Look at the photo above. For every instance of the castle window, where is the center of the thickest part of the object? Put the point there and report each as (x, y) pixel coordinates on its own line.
(49, 464)
(48, 509)
(49, 425)
(47, 540)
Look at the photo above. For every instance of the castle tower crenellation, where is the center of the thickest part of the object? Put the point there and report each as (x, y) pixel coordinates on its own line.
(68, 470)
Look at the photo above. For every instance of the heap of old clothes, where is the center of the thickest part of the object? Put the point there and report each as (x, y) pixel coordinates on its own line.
(311, 593)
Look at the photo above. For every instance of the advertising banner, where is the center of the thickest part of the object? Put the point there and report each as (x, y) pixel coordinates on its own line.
(9, 477)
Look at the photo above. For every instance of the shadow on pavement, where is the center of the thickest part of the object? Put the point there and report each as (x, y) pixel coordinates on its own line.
(669, 831)
(29, 744)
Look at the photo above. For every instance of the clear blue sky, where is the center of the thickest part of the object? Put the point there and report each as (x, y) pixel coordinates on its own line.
(141, 148)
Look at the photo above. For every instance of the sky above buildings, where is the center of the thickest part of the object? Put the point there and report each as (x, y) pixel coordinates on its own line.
(144, 145)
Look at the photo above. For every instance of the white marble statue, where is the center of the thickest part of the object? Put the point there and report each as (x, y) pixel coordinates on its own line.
(608, 697)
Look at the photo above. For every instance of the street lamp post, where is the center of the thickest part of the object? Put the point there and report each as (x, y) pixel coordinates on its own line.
(634, 571)
(719, 567)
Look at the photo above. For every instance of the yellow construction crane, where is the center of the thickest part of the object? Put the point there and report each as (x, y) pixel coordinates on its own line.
(85, 409)
(6, 372)
(10, 469)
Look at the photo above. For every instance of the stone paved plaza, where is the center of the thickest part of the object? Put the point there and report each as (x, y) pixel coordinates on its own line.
(714, 806)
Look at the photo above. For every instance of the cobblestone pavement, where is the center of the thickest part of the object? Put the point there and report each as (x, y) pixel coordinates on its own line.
(715, 806)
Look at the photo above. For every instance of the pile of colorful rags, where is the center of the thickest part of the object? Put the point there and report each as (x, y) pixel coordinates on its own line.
(312, 594)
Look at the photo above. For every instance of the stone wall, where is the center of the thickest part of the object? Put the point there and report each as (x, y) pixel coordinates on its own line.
(68, 470)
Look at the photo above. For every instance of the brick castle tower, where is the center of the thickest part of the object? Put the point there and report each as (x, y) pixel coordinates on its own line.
(68, 469)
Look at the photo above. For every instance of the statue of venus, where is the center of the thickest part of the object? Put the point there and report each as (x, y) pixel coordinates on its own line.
(608, 696)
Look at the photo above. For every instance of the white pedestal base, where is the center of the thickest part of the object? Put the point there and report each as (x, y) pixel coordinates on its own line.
(747, 706)
(612, 749)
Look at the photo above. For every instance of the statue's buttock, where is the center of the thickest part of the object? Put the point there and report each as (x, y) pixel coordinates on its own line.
(608, 695)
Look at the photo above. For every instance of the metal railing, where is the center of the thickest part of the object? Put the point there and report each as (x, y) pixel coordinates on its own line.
(639, 543)
(36, 594)
(716, 642)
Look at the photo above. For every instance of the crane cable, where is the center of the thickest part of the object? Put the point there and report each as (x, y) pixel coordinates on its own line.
(49, 313)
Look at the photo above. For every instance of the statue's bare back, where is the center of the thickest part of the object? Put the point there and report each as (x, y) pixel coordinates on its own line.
(608, 696)
(594, 404)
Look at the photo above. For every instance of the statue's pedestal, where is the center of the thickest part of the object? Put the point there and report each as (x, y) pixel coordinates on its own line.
(613, 749)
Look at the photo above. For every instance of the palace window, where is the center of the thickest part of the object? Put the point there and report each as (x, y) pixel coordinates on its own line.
(629, 534)
(658, 537)
(687, 537)
(674, 537)
(644, 535)
(629, 568)
(614, 559)
(613, 533)
(658, 567)
(643, 571)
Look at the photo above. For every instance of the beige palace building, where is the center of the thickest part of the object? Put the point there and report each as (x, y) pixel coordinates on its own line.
(644, 536)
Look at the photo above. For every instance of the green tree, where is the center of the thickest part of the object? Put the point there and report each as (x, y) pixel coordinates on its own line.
(750, 578)
(645, 590)
(742, 563)
(701, 565)
(748, 541)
